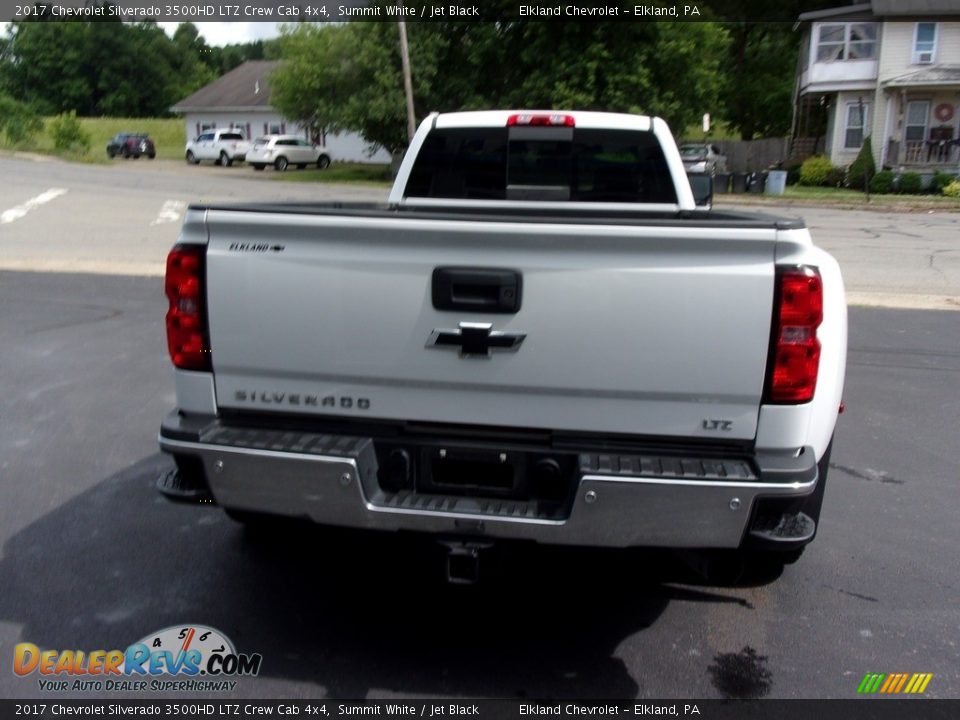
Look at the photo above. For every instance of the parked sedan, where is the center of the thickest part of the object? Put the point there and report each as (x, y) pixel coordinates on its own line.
(131, 145)
(703, 158)
(282, 151)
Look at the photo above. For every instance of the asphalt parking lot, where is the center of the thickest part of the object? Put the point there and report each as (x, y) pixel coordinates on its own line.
(91, 557)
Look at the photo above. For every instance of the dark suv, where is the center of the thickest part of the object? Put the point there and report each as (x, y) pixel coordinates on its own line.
(131, 145)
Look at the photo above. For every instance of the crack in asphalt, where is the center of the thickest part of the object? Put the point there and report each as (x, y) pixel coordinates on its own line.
(868, 474)
(859, 596)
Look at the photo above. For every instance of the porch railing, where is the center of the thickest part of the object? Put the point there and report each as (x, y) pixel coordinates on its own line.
(928, 152)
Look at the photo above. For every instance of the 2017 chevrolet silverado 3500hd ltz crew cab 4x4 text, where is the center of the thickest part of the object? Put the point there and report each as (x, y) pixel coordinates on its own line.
(540, 335)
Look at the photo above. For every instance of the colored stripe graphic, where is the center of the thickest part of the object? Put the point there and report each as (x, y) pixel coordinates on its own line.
(894, 683)
(870, 683)
(890, 682)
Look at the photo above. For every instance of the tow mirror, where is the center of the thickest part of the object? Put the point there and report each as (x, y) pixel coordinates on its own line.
(702, 186)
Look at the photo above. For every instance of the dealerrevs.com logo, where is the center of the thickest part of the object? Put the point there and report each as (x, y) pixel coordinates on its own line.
(177, 658)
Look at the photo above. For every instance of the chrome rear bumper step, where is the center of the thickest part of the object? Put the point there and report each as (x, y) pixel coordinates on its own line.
(615, 500)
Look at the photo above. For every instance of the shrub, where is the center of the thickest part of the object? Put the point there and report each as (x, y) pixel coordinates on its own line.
(953, 189)
(814, 170)
(939, 181)
(18, 121)
(836, 177)
(863, 168)
(67, 133)
(793, 172)
(910, 183)
(882, 183)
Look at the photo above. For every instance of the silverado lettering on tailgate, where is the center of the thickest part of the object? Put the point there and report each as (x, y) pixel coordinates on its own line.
(344, 402)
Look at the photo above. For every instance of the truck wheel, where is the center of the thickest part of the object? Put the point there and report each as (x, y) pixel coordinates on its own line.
(281, 163)
(224, 160)
(323, 162)
(191, 158)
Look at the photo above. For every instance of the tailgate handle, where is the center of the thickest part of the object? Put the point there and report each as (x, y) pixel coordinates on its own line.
(490, 290)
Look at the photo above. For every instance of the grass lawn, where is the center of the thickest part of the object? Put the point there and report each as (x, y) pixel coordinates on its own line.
(169, 136)
(843, 197)
(375, 175)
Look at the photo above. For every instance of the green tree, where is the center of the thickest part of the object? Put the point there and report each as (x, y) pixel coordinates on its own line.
(102, 66)
(46, 72)
(863, 168)
(68, 135)
(349, 76)
(759, 70)
(18, 122)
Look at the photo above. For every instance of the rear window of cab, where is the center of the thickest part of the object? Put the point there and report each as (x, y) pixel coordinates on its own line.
(549, 163)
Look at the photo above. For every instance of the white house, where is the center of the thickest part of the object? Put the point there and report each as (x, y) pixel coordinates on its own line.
(241, 99)
(889, 69)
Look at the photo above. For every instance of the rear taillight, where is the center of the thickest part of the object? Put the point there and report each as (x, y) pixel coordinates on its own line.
(795, 349)
(541, 119)
(186, 318)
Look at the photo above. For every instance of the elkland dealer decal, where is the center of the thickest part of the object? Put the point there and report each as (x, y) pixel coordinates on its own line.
(175, 658)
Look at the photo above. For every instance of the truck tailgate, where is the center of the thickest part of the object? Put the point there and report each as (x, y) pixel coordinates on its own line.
(629, 328)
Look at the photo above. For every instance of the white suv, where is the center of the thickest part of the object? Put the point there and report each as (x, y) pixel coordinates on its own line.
(221, 146)
(282, 151)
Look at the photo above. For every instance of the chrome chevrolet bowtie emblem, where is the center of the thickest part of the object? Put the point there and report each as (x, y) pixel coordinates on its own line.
(475, 339)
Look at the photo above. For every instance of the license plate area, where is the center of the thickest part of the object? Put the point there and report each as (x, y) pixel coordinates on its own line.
(479, 472)
(471, 472)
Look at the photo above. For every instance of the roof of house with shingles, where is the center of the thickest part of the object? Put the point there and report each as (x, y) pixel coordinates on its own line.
(886, 8)
(246, 87)
(893, 9)
(933, 75)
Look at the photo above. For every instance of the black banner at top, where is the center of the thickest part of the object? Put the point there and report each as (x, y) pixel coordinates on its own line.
(359, 11)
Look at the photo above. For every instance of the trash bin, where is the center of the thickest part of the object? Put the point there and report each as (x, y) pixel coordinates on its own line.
(776, 182)
(721, 183)
(756, 182)
(739, 182)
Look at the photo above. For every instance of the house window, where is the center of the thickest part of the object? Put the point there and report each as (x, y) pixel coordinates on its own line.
(274, 128)
(915, 127)
(846, 41)
(924, 43)
(858, 118)
(208, 126)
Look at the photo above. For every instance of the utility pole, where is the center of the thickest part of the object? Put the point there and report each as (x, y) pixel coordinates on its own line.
(863, 122)
(407, 81)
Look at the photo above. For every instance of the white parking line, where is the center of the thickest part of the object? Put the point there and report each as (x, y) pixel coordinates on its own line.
(15, 213)
(170, 212)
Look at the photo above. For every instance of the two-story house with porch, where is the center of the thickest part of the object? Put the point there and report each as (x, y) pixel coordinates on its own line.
(889, 69)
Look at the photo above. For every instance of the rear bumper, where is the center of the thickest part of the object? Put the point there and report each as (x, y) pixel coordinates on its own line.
(618, 500)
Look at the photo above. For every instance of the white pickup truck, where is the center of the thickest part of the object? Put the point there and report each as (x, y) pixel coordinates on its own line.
(222, 146)
(539, 336)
